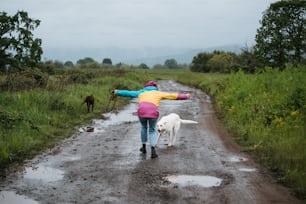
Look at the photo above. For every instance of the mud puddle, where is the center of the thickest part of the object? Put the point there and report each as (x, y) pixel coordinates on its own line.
(245, 169)
(43, 173)
(188, 180)
(236, 159)
(9, 197)
(126, 115)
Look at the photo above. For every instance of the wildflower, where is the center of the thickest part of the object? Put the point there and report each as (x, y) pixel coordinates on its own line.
(278, 121)
(294, 113)
(231, 109)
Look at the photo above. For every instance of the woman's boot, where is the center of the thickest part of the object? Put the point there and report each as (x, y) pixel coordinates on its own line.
(153, 153)
(143, 149)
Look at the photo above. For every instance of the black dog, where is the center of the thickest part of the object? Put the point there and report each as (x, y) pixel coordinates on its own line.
(90, 101)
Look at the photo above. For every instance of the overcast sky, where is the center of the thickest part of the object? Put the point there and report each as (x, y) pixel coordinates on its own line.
(142, 23)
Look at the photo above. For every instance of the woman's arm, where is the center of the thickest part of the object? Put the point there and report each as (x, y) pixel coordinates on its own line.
(126, 93)
(183, 96)
(174, 96)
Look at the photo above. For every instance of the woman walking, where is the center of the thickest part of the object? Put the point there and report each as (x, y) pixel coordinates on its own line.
(148, 101)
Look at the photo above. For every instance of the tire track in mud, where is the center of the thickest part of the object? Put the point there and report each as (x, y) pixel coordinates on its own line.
(106, 166)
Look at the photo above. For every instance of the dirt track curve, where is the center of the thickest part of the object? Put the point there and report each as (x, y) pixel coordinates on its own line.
(105, 166)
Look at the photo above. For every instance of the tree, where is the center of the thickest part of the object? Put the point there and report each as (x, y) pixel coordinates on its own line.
(199, 62)
(281, 37)
(171, 64)
(68, 64)
(85, 61)
(221, 62)
(107, 61)
(247, 60)
(143, 66)
(18, 48)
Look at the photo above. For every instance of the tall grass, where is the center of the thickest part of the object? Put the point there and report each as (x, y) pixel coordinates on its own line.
(267, 111)
(33, 120)
(267, 114)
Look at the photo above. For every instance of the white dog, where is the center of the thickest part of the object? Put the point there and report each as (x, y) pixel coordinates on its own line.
(170, 124)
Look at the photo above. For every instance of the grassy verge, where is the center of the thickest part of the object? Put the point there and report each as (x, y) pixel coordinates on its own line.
(34, 120)
(266, 112)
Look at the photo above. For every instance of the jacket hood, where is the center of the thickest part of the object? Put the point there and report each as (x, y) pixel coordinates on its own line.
(151, 83)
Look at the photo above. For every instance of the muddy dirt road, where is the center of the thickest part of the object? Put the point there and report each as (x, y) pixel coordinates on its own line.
(105, 166)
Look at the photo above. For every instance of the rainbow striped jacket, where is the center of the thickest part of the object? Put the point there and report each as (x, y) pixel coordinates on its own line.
(149, 99)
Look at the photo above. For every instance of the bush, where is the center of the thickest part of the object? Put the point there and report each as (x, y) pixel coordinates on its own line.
(27, 79)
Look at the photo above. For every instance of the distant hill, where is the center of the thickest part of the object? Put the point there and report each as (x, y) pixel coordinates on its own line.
(149, 56)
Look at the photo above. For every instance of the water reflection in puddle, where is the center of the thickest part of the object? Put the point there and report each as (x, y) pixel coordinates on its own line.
(9, 197)
(126, 115)
(70, 158)
(46, 174)
(170, 105)
(236, 159)
(247, 169)
(187, 180)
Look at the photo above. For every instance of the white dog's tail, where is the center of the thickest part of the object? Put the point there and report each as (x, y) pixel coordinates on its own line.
(188, 121)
